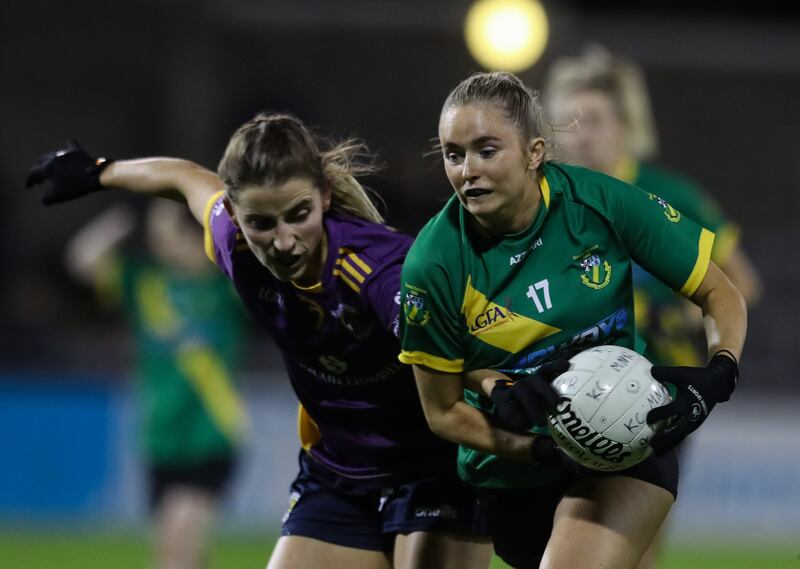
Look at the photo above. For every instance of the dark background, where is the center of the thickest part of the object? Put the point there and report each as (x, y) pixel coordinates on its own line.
(175, 77)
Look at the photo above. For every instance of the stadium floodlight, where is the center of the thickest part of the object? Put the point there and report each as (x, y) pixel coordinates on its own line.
(507, 35)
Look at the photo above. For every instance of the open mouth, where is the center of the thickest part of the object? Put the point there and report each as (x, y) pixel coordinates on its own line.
(476, 192)
(289, 262)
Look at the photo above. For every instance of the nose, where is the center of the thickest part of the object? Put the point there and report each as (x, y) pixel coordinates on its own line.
(284, 238)
(469, 170)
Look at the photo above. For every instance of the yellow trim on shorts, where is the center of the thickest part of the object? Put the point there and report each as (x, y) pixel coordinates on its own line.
(208, 237)
(434, 362)
(705, 244)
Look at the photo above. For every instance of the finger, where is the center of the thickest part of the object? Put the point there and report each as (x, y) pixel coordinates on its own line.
(671, 437)
(668, 374)
(547, 394)
(35, 177)
(664, 412)
(551, 370)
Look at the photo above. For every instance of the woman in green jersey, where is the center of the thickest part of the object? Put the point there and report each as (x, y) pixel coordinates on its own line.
(604, 100)
(528, 259)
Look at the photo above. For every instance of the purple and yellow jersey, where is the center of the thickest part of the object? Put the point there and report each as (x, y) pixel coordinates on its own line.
(360, 413)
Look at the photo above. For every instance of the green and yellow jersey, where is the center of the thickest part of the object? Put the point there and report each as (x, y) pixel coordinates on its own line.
(663, 318)
(187, 330)
(474, 302)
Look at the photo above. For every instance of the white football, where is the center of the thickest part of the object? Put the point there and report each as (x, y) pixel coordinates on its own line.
(601, 421)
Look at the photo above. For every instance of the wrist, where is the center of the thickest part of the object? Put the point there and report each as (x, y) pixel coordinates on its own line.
(724, 362)
(543, 450)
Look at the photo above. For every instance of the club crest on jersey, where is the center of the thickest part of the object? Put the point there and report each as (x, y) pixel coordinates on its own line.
(414, 306)
(596, 272)
(670, 212)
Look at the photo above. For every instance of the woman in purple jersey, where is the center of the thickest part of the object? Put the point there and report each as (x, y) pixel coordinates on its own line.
(311, 258)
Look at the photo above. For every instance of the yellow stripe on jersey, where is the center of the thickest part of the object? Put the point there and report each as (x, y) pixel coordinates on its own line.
(544, 186)
(347, 281)
(431, 361)
(725, 243)
(208, 237)
(350, 269)
(213, 385)
(704, 246)
(500, 327)
(355, 258)
(307, 429)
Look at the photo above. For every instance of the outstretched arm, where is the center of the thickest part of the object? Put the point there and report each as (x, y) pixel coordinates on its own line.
(166, 177)
(72, 173)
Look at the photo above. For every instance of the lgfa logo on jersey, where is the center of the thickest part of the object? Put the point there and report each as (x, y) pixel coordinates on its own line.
(596, 272)
(670, 212)
(414, 306)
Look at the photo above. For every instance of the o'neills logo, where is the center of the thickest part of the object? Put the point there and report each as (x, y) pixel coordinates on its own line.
(592, 441)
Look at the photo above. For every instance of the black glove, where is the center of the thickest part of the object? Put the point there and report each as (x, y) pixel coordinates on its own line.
(72, 172)
(526, 402)
(698, 390)
(546, 452)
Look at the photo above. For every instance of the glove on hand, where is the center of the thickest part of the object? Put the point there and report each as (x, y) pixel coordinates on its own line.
(526, 402)
(72, 172)
(698, 391)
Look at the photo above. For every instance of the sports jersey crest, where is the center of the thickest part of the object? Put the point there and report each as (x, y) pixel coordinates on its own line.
(414, 306)
(670, 212)
(596, 272)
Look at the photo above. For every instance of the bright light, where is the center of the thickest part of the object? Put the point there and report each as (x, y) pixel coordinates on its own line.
(509, 35)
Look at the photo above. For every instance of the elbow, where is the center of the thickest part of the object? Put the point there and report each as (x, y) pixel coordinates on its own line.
(440, 423)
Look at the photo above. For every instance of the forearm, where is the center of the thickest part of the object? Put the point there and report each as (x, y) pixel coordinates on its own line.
(467, 426)
(724, 314)
(451, 418)
(164, 177)
(482, 380)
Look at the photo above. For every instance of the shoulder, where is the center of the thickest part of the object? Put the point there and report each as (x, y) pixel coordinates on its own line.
(365, 245)
(440, 238)
(586, 187)
(221, 236)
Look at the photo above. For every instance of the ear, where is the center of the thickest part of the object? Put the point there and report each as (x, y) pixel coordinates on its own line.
(229, 208)
(535, 153)
(327, 196)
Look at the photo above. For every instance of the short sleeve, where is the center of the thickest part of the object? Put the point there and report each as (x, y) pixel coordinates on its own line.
(668, 244)
(430, 320)
(220, 236)
(382, 293)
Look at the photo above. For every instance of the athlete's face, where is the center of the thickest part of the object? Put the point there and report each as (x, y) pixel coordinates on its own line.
(283, 226)
(491, 170)
(598, 140)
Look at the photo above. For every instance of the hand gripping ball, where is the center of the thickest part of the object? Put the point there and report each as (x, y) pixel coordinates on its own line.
(601, 419)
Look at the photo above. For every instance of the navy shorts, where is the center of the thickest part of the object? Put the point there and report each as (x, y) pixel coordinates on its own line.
(520, 520)
(333, 509)
(211, 475)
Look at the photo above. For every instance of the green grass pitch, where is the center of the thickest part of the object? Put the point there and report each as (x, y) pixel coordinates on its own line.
(87, 550)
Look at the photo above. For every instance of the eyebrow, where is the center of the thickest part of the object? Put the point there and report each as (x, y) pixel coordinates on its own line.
(475, 142)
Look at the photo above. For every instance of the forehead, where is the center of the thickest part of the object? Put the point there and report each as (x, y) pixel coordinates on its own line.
(462, 124)
(275, 199)
(589, 100)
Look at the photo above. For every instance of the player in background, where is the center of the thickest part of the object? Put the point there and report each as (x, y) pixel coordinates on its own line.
(186, 324)
(311, 258)
(531, 257)
(603, 102)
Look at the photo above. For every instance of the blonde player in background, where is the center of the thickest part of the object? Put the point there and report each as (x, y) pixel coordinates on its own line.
(602, 106)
